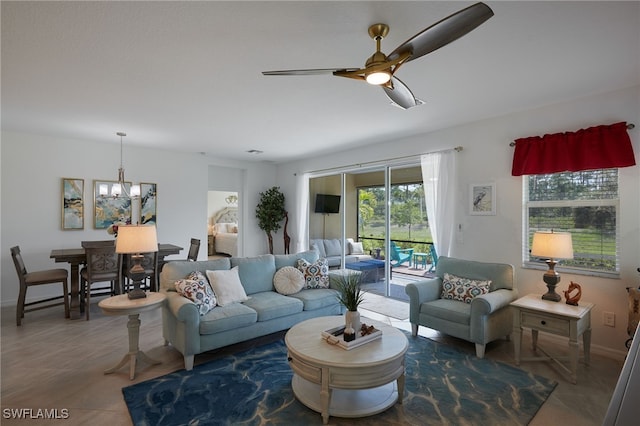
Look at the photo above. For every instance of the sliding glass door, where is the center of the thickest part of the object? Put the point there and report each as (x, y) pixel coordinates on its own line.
(381, 224)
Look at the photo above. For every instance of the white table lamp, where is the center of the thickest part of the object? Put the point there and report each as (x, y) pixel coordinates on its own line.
(552, 246)
(134, 240)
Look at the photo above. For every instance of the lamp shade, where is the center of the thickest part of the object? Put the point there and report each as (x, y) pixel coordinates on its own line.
(552, 245)
(134, 239)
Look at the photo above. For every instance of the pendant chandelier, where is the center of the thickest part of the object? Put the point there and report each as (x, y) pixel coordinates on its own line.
(119, 189)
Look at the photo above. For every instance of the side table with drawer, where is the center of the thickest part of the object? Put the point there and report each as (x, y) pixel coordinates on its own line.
(558, 318)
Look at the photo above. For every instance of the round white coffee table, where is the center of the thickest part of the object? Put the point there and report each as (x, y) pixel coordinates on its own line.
(122, 305)
(333, 381)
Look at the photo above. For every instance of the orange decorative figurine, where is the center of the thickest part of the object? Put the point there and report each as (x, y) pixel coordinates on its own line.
(573, 300)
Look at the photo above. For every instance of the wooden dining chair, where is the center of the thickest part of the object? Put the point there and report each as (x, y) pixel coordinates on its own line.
(194, 249)
(27, 279)
(149, 263)
(103, 265)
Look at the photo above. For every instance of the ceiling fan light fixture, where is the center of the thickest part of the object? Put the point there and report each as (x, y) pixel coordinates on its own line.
(378, 77)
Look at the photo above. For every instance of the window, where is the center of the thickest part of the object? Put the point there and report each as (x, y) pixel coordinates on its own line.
(584, 203)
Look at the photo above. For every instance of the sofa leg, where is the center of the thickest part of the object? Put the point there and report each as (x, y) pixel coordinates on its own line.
(480, 350)
(188, 362)
(414, 329)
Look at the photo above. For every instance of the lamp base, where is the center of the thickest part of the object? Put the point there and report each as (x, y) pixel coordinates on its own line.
(551, 278)
(551, 295)
(137, 275)
(137, 293)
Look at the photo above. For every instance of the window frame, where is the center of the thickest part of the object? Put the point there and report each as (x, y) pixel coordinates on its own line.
(528, 263)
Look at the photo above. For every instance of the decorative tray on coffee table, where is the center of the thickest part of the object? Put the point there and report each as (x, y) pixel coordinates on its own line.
(338, 340)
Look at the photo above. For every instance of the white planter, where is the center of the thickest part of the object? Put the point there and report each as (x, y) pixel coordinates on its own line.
(353, 318)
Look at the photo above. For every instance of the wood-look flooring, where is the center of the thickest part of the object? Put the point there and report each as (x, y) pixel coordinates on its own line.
(53, 363)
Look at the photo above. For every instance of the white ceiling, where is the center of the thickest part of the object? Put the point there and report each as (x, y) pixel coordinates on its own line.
(187, 75)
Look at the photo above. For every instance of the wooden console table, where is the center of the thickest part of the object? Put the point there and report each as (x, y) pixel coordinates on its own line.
(76, 257)
(558, 318)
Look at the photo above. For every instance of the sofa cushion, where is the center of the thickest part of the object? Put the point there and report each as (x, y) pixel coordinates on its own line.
(195, 287)
(178, 269)
(288, 280)
(227, 286)
(283, 260)
(317, 298)
(463, 289)
(270, 305)
(318, 246)
(356, 248)
(256, 273)
(449, 310)
(316, 274)
(224, 318)
(333, 247)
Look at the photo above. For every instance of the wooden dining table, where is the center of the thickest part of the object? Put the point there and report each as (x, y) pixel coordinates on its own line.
(76, 257)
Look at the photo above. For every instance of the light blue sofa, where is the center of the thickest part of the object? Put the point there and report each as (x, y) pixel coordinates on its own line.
(331, 249)
(264, 313)
(485, 319)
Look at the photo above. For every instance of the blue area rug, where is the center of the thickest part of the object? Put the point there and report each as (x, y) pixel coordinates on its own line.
(444, 386)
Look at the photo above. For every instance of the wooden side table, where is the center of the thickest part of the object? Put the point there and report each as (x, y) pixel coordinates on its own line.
(122, 305)
(557, 318)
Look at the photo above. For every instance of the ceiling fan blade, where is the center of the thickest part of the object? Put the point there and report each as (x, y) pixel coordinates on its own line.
(444, 32)
(401, 95)
(317, 71)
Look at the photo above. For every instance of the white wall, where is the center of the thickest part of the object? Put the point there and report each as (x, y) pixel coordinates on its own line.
(487, 157)
(32, 169)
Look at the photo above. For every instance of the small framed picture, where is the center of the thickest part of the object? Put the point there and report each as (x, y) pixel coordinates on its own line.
(108, 210)
(148, 203)
(72, 203)
(482, 199)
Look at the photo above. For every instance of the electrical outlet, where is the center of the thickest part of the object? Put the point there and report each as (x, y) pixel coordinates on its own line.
(609, 319)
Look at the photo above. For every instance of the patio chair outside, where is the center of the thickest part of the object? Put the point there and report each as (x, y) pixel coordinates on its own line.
(400, 255)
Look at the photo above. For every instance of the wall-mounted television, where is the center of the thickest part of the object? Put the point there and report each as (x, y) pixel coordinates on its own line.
(327, 204)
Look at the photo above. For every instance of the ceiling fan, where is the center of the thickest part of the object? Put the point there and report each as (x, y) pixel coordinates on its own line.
(379, 69)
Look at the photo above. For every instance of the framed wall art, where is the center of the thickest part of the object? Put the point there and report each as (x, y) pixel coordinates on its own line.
(108, 210)
(72, 203)
(148, 203)
(482, 199)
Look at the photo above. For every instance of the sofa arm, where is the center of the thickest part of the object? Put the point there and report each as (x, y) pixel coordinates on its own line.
(420, 292)
(489, 303)
(182, 308)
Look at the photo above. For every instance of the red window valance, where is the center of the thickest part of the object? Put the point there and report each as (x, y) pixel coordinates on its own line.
(599, 147)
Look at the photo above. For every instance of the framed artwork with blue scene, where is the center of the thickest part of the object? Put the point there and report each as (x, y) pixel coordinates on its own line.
(148, 203)
(72, 203)
(108, 210)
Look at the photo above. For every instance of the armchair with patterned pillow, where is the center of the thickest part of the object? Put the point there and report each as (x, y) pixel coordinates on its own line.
(467, 299)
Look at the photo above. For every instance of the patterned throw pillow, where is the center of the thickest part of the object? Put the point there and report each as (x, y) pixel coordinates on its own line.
(463, 289)
(195, 287)
(316, 274)
(288, 280)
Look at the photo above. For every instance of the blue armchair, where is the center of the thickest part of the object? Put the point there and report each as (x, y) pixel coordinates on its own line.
(400, 255)
(485, 319)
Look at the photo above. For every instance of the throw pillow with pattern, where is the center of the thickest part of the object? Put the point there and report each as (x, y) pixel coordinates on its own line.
(463, 289)
(195, 287)
(316, 274)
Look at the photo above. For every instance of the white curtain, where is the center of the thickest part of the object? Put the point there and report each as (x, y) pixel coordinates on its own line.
(302, 213)
(438, 176)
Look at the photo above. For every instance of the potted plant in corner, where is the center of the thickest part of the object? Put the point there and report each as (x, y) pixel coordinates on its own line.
(351, 295)
(270, 212)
